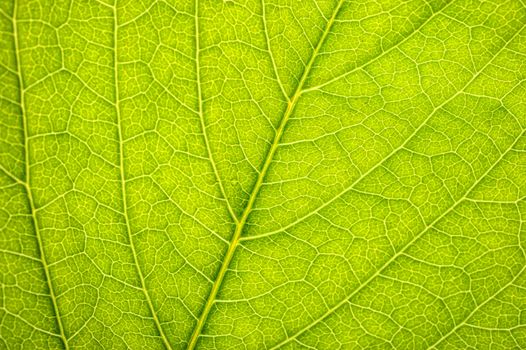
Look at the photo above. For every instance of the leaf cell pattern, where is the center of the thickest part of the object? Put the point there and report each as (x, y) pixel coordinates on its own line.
(263, 174)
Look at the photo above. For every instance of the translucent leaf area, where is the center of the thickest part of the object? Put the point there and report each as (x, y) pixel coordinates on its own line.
(263, 174)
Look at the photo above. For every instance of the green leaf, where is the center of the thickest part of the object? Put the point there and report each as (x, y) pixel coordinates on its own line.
(263, 174)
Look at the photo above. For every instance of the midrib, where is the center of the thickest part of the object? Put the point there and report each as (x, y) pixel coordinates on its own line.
(234, 241)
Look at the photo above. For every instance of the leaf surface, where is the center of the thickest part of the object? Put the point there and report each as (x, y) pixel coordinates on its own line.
(263, 174)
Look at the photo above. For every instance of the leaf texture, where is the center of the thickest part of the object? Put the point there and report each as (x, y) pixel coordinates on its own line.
(263, 174)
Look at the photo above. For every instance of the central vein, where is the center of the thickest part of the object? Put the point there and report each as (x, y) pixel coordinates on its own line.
(234, 241)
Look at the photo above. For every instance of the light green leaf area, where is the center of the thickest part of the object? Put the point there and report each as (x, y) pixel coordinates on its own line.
(263, 174)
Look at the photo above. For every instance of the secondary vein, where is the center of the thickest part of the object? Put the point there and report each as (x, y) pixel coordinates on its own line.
(387, 157)
(27, 181)
(394, 257)
(123, 184)
(259, 182)
(427, 227)
(271, 56)
(202, 118)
